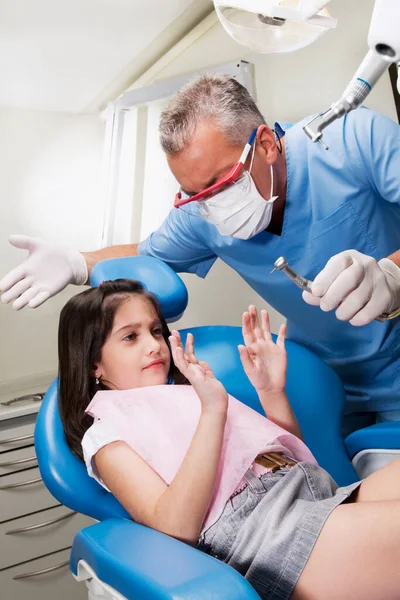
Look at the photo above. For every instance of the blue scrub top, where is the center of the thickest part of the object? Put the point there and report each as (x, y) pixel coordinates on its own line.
(345, 198)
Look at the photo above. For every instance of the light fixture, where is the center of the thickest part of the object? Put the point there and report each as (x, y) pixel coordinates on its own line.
(273, 26)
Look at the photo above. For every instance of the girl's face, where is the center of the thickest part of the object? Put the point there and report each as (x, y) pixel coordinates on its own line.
(135, 354)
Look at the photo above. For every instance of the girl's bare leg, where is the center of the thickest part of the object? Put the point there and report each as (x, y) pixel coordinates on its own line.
(384, 484)
(357, 555)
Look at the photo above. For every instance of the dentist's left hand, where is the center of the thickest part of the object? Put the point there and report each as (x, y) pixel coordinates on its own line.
(47, 270)
(357, 286)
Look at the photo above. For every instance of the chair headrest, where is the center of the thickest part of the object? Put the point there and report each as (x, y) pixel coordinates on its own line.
(155, 275)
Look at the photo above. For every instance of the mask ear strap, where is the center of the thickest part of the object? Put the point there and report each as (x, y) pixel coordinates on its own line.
(252, 156)
(272, 181)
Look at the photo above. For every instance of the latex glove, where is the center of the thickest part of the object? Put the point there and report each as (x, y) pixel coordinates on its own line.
(358, 286)
(47, 270)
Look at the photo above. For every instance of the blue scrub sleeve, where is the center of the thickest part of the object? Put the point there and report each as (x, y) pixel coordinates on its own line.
(176, 243)
(378, 141)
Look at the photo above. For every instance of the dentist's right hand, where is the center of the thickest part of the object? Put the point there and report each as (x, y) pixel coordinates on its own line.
(47, 270)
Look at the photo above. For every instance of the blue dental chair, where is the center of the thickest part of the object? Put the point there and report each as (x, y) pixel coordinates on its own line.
(122, 560)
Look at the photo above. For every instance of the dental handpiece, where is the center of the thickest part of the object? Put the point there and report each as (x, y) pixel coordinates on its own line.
(281, 264)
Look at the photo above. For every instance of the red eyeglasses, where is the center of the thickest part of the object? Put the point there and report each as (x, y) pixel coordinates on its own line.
(217, 187)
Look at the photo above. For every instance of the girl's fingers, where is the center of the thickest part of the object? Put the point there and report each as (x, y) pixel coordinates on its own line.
(206, 368)
(281, 336)
(266, 325)
(253, 350)
(245, 357)
(181, 363)
(178, 356)
(255, 324)
(190, 349)
(252, 316)
(205, 365)
(189, 344)
(173, 343)
(177, 336)
(175, 347)
(247, 331)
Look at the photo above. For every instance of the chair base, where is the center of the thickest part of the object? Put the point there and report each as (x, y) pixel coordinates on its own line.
(97, 589)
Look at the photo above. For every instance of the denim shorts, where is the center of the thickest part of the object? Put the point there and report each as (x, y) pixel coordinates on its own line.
(268, 530)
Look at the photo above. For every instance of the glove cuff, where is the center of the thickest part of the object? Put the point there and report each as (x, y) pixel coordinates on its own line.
(391, 268)
(392, 272)
(79, 268)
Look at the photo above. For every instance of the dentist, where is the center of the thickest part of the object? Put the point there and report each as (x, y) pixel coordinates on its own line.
(248, 195)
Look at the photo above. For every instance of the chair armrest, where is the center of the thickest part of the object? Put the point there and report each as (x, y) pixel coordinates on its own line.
(139, 562)
(382, 436)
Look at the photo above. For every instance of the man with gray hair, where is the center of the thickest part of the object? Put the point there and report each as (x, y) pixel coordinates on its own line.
(249, 194)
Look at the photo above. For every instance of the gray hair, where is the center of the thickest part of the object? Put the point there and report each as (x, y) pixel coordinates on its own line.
(214, 97)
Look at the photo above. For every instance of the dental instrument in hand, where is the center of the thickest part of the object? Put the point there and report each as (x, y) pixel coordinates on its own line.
(281, 264)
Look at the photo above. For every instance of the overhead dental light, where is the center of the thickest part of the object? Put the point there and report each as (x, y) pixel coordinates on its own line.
(273, 26)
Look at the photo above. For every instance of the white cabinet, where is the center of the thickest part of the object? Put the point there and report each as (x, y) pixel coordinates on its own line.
(36, 532)
(46, 578)
(23, 492)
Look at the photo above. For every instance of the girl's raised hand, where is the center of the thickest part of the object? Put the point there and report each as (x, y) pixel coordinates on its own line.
(264, 361)
(211, 392)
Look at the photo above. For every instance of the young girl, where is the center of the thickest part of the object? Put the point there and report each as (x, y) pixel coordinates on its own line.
(196, 464)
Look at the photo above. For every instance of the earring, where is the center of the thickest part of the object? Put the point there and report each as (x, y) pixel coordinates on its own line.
(97, 381)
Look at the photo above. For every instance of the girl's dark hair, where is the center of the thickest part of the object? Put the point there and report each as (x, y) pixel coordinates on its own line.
(86, 322)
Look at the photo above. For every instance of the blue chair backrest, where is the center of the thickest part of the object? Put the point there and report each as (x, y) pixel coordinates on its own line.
(315, 392)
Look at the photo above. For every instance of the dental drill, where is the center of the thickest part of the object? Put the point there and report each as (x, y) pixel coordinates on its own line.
(281, 264)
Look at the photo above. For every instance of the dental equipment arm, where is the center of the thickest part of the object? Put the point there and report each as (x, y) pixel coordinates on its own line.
(384, 43)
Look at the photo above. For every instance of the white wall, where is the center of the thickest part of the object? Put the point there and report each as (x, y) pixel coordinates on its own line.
(49, 187)
(289, 87)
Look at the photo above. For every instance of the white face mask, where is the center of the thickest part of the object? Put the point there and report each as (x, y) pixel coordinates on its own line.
(240, 211)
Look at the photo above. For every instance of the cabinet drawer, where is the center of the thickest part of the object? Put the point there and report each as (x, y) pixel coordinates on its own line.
(45, 578)
(39, 534)
(15, 460)
(22, 493)
(16, 437)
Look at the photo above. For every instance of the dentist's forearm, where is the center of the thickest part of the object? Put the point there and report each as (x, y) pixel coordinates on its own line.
(93, 258)
(181, 510)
